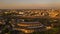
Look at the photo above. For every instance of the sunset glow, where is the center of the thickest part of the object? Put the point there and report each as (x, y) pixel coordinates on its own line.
(28, 3)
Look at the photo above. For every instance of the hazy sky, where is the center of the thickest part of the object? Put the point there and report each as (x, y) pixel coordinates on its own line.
(29, 3)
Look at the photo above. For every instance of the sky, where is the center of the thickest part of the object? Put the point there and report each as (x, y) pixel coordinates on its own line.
(28, 3)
